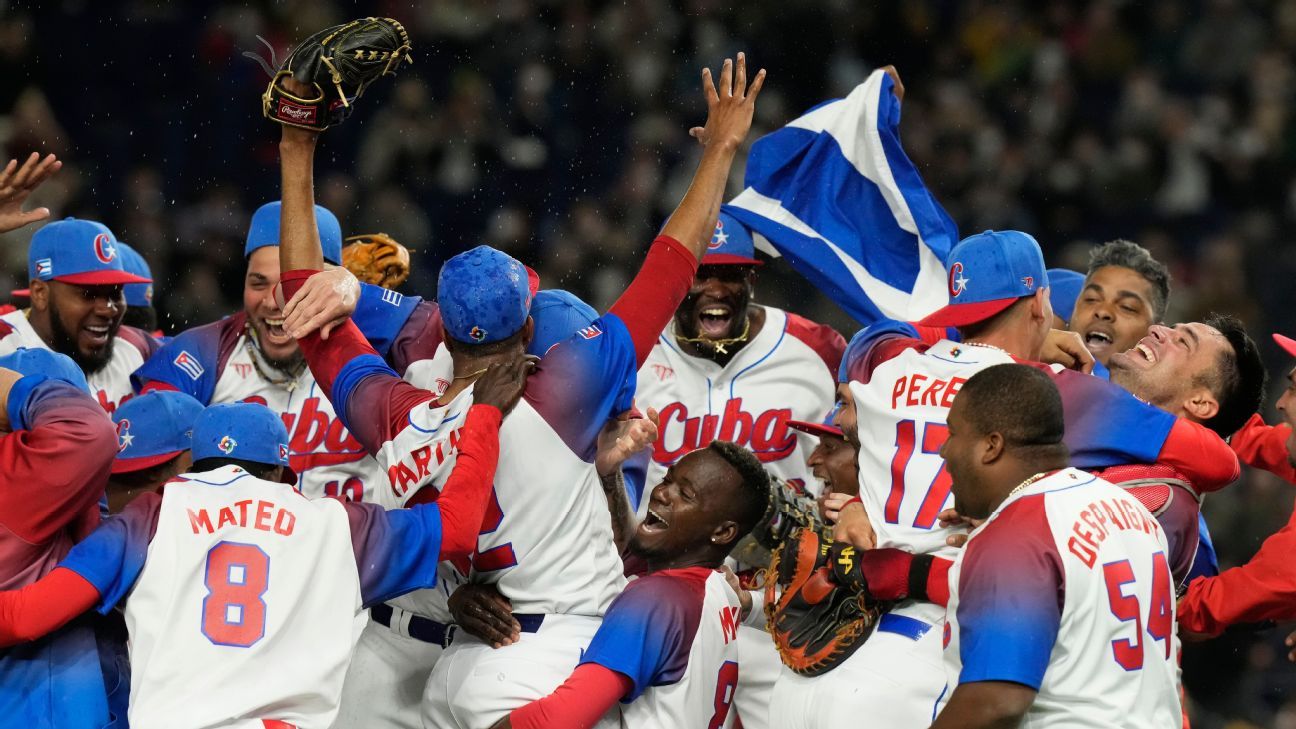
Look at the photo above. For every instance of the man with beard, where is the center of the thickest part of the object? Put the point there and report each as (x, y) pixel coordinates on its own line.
(247, 357)
(667, 648)
(76, 279)
(729, 369)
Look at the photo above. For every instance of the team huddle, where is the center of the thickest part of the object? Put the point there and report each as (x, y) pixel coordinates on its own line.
(349, 506)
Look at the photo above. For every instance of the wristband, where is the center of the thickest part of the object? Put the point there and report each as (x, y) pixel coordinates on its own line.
(919, 568)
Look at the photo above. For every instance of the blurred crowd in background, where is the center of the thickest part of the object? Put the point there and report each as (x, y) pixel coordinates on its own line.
(557, 130)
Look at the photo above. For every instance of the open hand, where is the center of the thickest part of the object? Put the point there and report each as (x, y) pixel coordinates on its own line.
(504, 383)
(853, 527)
(326, 300)
(17, 183)
(481, 611)
(730, 107)
(950, 518)
(830, 506)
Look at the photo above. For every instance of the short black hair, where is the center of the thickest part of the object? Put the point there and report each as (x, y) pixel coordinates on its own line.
(140, 317)
(755, 482)
(1238, 379)
(1018, 401)
(260, 470)
(1128, 254)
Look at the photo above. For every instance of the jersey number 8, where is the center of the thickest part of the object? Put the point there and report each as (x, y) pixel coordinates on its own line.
(233, 613)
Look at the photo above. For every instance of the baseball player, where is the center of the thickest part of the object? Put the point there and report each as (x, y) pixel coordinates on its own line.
(154, 432)
(668, 645)
(248, 357)
(245, 599)
(56, 445)
(1052, 621)
(76, 279)
(894, 402)
(728, 368)
(547, 544)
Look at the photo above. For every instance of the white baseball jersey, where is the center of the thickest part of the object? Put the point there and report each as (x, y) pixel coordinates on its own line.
(546, 540)
(244, 599)
(1066, 588)
(111, 386)
(214, 364)
(901, 408)
(674, 634)
(786, 372)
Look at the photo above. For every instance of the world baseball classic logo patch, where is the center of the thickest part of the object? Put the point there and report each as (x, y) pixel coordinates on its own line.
(226, 445)
(477, 333)
(188, 364)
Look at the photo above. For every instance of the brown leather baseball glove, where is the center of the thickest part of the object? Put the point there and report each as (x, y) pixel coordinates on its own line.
(816, 622)
(377, 258)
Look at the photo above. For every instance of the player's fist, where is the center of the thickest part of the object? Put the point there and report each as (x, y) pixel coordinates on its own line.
(503, 383)
(830, 506)
(1067, 349)
(482, 611)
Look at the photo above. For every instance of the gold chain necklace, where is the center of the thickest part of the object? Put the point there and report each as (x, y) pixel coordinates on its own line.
(1025, 483)
(470, 374)
(252, 344)
(719, 345)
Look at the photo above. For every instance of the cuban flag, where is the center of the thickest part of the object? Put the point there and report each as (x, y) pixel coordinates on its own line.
(834, 193)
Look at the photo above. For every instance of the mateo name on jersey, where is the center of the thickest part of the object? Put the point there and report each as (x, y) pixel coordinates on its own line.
(267, 516)
(766, 434)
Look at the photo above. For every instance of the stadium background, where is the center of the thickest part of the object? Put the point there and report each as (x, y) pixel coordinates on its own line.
(557, 131)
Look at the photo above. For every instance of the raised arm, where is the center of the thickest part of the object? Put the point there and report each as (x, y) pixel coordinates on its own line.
(668, 271)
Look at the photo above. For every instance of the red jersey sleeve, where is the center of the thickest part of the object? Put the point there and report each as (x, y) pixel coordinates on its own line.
(1262, 589)
(44, 606)
(584, 697)
(656, 291)
(1265, 446)
(823, 339)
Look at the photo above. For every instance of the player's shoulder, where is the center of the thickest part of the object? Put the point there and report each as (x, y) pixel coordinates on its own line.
(876, 345)
(664, 596)
(825, 341)
(138, 340)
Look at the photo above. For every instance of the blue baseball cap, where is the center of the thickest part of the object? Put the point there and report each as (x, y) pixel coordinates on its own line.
(731, 244)
(133, 262)
(988, 272)
(264, 231)
(79, 252)
(153, 428)
(557, 315)
(484, 295)
(246, 431)
(40, 361)
(1065, 286)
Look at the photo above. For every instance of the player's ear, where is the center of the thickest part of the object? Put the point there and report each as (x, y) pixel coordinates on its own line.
(725, 533)
(992, 446)
(40, 293)
(528, 332)
(1201, 404)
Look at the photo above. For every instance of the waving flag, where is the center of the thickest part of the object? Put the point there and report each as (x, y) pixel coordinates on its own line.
(835, 194)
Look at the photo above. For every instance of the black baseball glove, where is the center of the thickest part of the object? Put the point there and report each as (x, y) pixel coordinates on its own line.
(340, 62)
